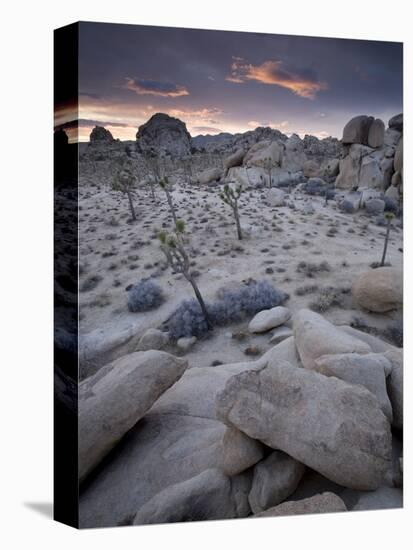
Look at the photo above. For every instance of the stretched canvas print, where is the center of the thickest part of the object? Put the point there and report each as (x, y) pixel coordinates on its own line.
(228, 275)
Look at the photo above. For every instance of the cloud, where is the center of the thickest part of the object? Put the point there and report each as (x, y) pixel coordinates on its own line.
(301, 82)
(283, 125)
(206, 115)
(142, 86)
(206, 130)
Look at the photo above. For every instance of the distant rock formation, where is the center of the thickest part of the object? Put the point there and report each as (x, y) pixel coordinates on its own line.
(164, 135)
(372, 155)
(99, 134)
(365, 130)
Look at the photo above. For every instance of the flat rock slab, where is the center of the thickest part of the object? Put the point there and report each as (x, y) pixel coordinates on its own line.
(335, 428)
(113, 400)
(318, 504)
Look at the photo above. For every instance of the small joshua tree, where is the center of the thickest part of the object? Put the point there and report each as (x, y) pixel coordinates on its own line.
(165, 185)
(125, 182)
(172, 245)
(389, 216)
(231, 197)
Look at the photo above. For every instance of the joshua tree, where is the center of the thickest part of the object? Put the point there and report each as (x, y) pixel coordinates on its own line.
(164, 184)
(389, 216)
(125, 182)
(172, 245)
(230, 197)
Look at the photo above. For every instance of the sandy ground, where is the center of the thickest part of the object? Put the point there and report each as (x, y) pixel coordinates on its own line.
(120, 253)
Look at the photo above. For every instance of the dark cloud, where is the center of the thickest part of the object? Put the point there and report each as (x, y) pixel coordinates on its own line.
(143, 86)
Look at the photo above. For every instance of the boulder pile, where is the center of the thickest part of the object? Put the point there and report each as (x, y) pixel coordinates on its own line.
(244, 439)
(372, 155)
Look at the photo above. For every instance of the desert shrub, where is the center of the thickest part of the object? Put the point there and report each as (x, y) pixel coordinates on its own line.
(232, 306)
(187, 320)
(330, 193)
(327, 298)
(144, 296)
(309, 269)
(347, 207)
(306, 289)
(313, 187)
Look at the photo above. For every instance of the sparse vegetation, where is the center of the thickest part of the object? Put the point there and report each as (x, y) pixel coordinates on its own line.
(232, 306)
(310, 269)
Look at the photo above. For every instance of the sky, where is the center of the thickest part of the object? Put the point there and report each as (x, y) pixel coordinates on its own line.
(221, 81)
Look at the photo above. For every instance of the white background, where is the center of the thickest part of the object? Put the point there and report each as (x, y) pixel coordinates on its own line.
(26, 221)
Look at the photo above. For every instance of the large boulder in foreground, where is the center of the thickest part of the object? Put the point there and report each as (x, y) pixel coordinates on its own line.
(315, 336)
(178, 439)
(207, 496)
(318, 504)
(274, 480)
(379, 290)
(113, 400)
(335, 428)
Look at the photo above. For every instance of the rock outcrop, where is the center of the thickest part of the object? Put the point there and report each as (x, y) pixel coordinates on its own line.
(100, 135)
(368, 153)
(164, 135)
